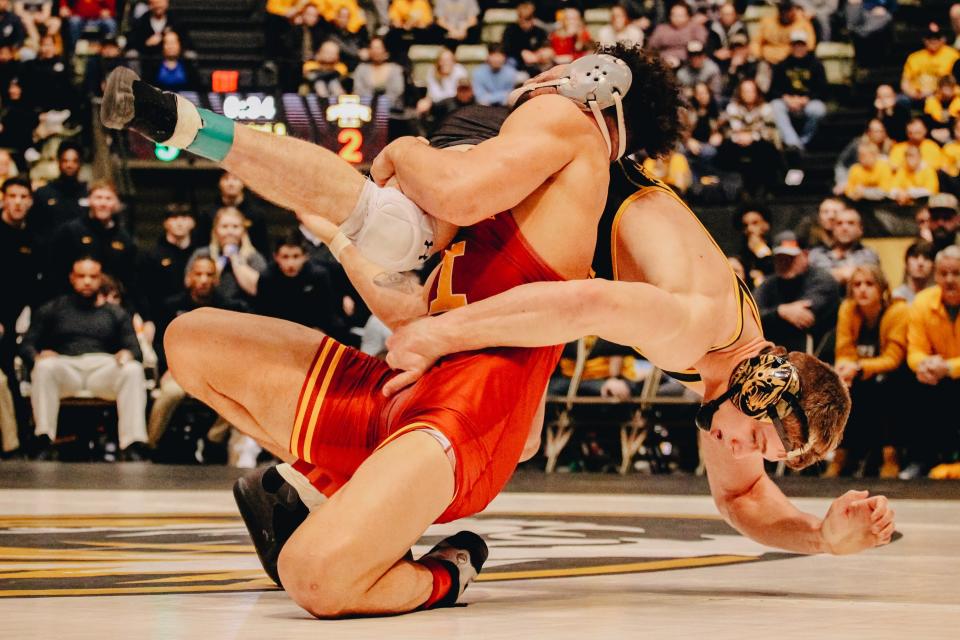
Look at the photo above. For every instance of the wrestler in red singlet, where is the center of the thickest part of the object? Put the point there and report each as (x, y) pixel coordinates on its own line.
(481, 403)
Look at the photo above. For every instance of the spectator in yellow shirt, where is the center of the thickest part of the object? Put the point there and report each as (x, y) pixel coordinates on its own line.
(870, 177)
(950, 154)
(329, 9)
(772, 42)
(917, 137)
(324, 73)
(914, 179)
(410, 14)
(933, 353)
(925, 67)
(870, 351)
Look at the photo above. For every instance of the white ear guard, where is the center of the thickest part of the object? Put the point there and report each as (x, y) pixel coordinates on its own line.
(596, 82)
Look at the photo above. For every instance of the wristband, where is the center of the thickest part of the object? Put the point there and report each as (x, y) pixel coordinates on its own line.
(338, 244)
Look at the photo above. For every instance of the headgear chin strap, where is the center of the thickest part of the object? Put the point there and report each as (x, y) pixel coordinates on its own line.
(596, 82)
(768, 387)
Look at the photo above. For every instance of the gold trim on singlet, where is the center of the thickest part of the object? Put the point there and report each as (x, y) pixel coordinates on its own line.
(743, 292)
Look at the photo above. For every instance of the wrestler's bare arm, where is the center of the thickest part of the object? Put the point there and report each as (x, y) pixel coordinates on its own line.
(753, 504)
(395, 298)
(628, 313)
(535, 142)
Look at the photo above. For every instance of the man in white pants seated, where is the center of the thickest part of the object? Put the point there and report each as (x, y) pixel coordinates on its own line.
(77, 346)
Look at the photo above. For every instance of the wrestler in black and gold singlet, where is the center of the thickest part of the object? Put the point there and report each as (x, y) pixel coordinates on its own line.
(629, 183)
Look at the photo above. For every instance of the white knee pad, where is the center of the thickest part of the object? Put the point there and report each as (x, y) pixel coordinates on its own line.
(388, 228)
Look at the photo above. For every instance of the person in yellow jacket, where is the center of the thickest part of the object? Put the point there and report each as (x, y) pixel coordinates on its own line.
(410, 14)
(870, 178)
(925, 67)
(916, 137)
(950, 153)
(913, 180)
(772, 41)
(330, 8)
(870, 351)
(933, 353)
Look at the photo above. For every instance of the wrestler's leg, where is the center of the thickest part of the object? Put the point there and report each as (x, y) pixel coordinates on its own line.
(248, 368)
(294, 174)
(345, 558)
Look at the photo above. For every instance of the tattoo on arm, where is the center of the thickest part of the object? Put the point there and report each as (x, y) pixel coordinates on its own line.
(396, 281)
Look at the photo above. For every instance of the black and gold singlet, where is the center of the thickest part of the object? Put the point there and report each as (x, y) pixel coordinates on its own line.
(629, 183)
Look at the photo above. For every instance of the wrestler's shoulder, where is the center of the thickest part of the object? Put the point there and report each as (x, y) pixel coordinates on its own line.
(550, 110)
(644, 202)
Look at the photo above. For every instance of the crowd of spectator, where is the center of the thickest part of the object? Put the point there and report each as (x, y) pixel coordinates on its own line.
(820, 290)
(91, 306)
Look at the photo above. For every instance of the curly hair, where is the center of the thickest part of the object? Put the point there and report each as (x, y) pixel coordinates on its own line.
(825, 401)
(652, 105)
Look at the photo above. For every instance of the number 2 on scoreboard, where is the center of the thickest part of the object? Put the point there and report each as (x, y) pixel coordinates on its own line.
(352, 140)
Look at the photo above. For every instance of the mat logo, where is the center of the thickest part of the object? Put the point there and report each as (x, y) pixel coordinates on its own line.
(44, 556)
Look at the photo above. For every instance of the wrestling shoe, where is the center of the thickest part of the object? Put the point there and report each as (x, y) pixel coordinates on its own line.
(462, 555)
(130, 103)
(271, 511)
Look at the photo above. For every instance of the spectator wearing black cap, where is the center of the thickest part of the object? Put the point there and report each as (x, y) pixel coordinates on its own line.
(64, 198)
(296, 289)
(798, 303)
(944, 220)
(233, 193)
(799, 83)
(925, 67)
(165, 266)
(699, 68)
(20, 266)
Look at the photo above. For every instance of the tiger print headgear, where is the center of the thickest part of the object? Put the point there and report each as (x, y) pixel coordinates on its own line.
(766, 386)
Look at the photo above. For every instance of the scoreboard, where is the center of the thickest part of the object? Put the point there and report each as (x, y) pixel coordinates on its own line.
(353, 127)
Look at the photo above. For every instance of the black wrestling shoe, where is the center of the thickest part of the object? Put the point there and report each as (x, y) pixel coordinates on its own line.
(463, 556)
(128, 102)
(272, 511)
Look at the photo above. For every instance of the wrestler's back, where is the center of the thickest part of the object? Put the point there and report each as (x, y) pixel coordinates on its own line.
(649, 235)
(559, 219)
